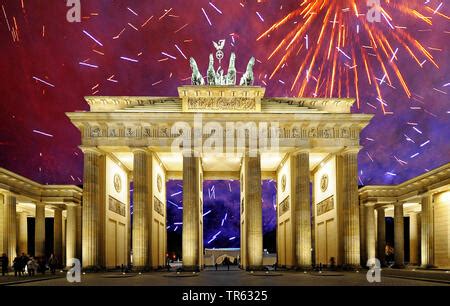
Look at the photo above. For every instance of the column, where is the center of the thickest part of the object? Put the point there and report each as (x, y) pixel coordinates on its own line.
(370, 230)
(142, 175)
(381, 235)
(23, 233)
(10, 227)
(39, 230)
(399, 239)
(254, 212)
(414, 236)
(57, 234)
(350, 209)
(2, 212)
(191, 208)
(91, 208)
(79, 231)
(301, 200)
(427, 232)
(362, 231)
(71, 233)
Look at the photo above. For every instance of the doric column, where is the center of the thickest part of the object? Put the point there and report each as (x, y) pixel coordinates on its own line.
(79, 231)
(2, 218)
(427, 232)
(191, 208)
(381, 234)
(362, 233)
(91, 208)
(399, 238)
(10, 227)
(414, 237)
(301, 200)
(370, 230)
(23, 233)
(39, 230)
(350, 208)
(142, 180)
(71, 233)
(254, 212)
(57, 234)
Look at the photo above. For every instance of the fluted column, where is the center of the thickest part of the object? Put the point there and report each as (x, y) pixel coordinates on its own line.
(79, 232)
(23, 233)
(427, 232)
(370, 230)
(350, 208)
(57, 234)
(399, 238)
(91, 208)
(10, 227)
(254, 212)
(381, 234)
(142, 176)
(301, 200)
(362, 233)
(191, 208)
(71, 233)
(39, 230)
(2, 218)
(414, 237)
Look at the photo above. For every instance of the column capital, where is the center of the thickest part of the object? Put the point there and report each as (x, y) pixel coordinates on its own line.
(88, 149)
(380, 208)
(370, 204)
(350, 150)
(301, 150)
(398, 203)
(140, 149)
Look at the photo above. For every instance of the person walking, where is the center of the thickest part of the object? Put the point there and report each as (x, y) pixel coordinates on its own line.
(4, 264)
(53, 263)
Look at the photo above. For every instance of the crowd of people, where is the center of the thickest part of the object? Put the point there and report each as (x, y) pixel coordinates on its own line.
(27, 265)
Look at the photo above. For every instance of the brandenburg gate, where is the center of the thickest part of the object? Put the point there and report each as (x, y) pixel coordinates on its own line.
(220, 131)
(301, 141)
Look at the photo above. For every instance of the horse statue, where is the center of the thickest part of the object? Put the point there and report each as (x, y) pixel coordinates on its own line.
(211, 74)
(231, 75)
(247, 79)
(196, 78)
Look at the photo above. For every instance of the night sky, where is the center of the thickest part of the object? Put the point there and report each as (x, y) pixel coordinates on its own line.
(141, 48)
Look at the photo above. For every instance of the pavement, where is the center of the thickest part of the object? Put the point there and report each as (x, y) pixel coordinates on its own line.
(236, 277)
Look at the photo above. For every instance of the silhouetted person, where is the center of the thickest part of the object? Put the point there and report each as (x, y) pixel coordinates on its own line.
(23, 263)
(31, 266)
(16, 266)
(42, 265)
(4, 264)
(217, 266)
(53, 263)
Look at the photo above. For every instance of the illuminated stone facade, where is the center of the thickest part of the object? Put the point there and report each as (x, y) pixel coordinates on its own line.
(135, 135)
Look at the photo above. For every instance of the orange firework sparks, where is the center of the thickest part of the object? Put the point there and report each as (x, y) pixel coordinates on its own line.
(342, 38)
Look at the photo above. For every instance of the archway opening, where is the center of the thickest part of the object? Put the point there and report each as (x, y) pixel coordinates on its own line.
(221, 218)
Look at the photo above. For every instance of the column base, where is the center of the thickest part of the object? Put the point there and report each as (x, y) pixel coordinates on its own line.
(255, 268)
(427, 266)
(190, 268)
(351, 267)
(94, 269)
(398, 266)
(141, 269)
(304, 268)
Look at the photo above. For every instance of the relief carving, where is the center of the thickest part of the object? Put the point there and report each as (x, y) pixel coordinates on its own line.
(325, 206)
(235, 104)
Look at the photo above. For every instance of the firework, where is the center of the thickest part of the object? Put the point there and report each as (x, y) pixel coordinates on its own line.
(340, 47)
